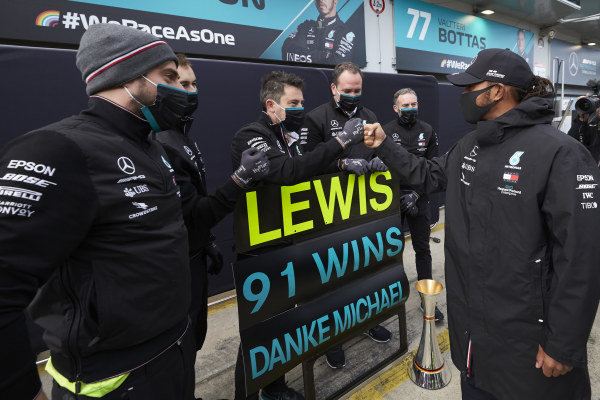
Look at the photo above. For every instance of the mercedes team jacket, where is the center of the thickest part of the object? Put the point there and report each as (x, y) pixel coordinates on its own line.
(521, 249)
(90, 214)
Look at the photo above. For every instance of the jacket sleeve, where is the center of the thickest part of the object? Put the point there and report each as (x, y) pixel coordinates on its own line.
(201, 212)
(430, 175)
(570, 208)
(295, 47)
(433, 146)
(286, 170)
(43, 217)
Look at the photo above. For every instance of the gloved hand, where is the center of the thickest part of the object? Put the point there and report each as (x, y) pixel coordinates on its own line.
(352, 133)
(214, 259)
(376, 165)
(253, 167)
(408, 203)
(357, 166)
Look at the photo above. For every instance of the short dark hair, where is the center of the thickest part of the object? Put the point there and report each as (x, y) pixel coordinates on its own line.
(345, 66)
(183, 61)
(273, 86)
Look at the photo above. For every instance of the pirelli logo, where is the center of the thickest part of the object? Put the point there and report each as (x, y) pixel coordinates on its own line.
(20, 193)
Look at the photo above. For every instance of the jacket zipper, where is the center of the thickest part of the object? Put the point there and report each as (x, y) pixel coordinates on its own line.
(74, 327)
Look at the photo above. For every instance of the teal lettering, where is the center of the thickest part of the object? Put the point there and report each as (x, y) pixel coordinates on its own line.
(276, 354)
(356, 254)
(308, 336)
(393, 242)
(348, 320)
(358, 303)
(332, 259)
(394, 295)
(291, 343)
(323, 329)
(374, 305)
(385, 301)
(262, 350)
(369, 247)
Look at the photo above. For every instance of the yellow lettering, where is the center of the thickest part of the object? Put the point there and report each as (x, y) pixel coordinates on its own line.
(289, 228)
(253, 223)
(383, 189)
(335, 194)
(362, 195)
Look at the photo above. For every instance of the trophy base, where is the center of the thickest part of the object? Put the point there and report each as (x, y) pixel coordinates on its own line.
(430, 380)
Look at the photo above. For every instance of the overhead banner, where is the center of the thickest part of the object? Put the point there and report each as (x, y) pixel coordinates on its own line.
(301, 31)
(296, 300)
(580, 63)
(430, 38)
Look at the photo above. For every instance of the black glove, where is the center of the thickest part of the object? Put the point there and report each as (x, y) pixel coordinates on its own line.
(253, 167)
(353, 132)
(376, 165)
(357, 166)
(214, 259)
(408, 203)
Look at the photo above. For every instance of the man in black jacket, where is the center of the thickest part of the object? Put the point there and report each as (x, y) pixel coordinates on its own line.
(419, 138)
(275, 134)
(324, 41)
(584, 128)
(91, 215)
(323, 124)
(522, 226)
(201, 210)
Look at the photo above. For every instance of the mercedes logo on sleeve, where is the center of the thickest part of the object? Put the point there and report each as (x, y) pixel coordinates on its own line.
(126, 165)
(573, 64)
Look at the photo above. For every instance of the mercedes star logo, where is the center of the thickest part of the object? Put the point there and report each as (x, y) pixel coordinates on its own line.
(334, 123)
(126, 165)
(573, 64)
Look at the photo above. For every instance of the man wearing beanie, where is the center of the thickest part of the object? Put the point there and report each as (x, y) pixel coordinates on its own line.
(93, 220)
(521, 236)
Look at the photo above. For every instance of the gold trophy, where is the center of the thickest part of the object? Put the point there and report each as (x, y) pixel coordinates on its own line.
(428, 369)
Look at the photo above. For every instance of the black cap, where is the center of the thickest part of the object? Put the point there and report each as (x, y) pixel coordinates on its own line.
(496, 65)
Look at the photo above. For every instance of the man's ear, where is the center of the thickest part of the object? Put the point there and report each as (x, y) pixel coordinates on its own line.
(501, 92)
(396, 109)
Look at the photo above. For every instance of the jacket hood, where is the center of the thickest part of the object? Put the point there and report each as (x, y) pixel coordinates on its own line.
(533, 111)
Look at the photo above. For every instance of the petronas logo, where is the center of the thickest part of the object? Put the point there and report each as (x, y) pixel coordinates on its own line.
(516, 158)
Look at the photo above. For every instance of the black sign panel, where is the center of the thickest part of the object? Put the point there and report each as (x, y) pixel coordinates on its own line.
(308, 269)
(281, 214)
(580, 63)
(276, 345)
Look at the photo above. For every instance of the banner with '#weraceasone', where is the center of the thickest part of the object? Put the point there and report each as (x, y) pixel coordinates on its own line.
(301, 31)
(430, 38)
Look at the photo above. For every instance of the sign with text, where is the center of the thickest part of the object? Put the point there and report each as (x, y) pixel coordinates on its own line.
(282, 214)
(297, 298)
(295, 30)
(430, 38)
(580, 63)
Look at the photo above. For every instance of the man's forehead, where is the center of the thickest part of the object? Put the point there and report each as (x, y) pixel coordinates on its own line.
(350, 78)
(292, 92)
(407, 98)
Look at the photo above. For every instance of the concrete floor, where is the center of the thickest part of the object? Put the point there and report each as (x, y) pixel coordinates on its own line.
(216, 361)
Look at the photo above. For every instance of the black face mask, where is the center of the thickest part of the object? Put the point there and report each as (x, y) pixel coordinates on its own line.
(172, 109)
(408, 116)
(348, 102)
(473, 113)
(294, 118)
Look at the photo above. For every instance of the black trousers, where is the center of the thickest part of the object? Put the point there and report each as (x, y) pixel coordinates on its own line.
(419, 234)
(240, 382)
(199, 305)
(170, 376)
(470, 392)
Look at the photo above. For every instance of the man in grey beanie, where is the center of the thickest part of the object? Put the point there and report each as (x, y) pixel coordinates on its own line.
(94, 242)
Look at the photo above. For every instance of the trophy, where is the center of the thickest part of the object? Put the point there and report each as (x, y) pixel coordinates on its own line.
(428, 369)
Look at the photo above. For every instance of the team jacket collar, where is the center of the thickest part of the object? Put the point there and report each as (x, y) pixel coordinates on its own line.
(117, 119)
(339, 109)
(534, 111)
(328, 21)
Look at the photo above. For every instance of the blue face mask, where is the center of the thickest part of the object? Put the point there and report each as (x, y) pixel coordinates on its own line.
(348, 102)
